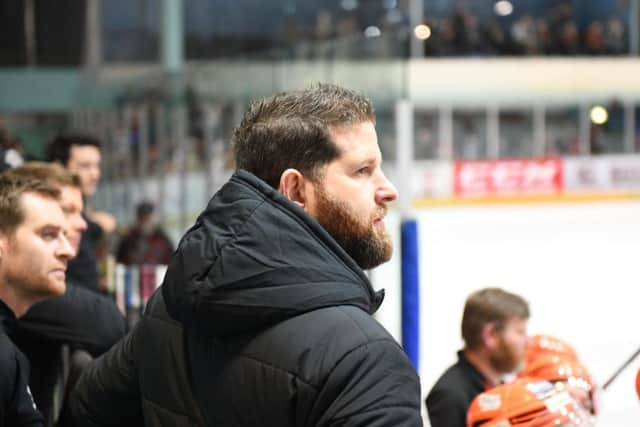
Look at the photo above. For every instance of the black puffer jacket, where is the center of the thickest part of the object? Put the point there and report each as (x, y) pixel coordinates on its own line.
(17, 408)
(274, 329)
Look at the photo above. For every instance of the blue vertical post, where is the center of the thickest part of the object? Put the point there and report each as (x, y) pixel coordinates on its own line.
(411, 291)
(410, 280)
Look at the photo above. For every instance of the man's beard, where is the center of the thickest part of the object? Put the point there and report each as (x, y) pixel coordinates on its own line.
(369, 246)
(505, 359)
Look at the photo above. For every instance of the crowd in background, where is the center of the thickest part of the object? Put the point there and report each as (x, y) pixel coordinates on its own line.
(554, 32)
(304, 29)
(464, 29)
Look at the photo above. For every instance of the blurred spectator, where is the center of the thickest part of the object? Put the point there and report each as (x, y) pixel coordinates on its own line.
(569, 39)
(81, 155)
(543, 37)
(471, 143)
(10, 151)
(524, 35)
(594, 43)
(615, 37)
(496, 39)
(461, 36)
(442, 41)
(195, 124)
(323, 32)
(145, 243)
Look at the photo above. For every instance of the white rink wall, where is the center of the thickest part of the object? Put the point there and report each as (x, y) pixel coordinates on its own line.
(576, 264)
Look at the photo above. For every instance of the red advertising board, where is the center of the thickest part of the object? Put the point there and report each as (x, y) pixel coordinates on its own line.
(508, 177)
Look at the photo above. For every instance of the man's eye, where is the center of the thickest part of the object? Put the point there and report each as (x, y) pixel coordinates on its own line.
(363, 171)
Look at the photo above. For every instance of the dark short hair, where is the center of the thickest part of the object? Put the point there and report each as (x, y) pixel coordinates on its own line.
(293, 130)
(59, 149)
(490, 305)
(12, 188)
(144, 209)
(52, 172)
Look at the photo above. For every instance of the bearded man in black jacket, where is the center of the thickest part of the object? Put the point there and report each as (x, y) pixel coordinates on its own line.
(264, 315)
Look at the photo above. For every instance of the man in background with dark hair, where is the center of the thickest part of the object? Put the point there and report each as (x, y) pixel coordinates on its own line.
(81, 155)
(264, 317)
(34, 252)
(494, 330)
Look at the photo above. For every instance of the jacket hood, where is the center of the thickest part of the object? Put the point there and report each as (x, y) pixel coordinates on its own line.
(254, 258)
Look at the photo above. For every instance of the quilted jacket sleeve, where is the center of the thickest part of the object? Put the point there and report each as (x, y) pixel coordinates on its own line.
(373, 385)
(107, 393)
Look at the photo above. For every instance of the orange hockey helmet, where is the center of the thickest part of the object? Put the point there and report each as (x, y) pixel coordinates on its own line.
(547, 344)
(553, 368)
(526, 404)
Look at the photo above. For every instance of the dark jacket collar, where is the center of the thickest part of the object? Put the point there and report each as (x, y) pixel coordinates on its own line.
(254, 258)
(8, 320)
(475, 376)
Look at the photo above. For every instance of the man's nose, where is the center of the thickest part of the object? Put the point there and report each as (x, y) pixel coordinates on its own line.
(64, 248)
(387, 191)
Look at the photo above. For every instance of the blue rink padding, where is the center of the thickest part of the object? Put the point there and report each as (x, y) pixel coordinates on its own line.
(410, 291)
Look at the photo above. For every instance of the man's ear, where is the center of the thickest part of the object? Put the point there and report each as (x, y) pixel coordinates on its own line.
(292, 185)
(489, 335)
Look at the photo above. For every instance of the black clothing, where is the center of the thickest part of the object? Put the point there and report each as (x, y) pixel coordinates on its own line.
(16, 404)
(81, 319)
(83, 269)
(273, 328)
(449, 399)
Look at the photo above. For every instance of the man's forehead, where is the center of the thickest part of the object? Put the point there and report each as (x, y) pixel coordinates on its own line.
(345, 129)
(71, 200)
(40, 210)
(516, 321)
(83, 152)
(360, 136)
(70, 192)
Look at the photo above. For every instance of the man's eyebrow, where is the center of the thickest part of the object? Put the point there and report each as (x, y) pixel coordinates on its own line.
(369, 161)
(49, 227)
